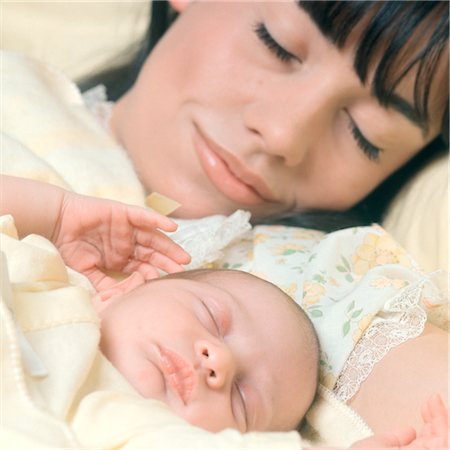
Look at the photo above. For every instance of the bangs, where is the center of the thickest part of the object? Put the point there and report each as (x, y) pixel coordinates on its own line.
(394, 38)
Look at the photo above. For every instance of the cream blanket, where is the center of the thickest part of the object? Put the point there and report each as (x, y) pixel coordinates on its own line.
(58, 391)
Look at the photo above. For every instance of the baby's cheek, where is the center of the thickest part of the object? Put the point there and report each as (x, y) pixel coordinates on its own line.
(145, 378)
(206, 416)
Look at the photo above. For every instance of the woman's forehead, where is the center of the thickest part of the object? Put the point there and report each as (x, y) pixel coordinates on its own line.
(393, 41)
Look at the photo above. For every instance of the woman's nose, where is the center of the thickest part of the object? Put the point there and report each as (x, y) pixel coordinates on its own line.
(290, 121)
(216, 362)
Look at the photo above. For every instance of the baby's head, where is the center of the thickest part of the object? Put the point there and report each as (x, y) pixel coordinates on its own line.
(222, 348)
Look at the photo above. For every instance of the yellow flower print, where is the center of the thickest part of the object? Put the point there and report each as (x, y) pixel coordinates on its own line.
(328, 380)
(274, 228)
(290, 290)
(333, 282)
(383, 282)
(261, 275)
(378, 250)
(287, 249)
(306, 234)
(260, 238)
(362, 327)
(312, 292)
(380, 283)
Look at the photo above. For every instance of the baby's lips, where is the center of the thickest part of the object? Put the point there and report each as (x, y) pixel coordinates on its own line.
(179, 373)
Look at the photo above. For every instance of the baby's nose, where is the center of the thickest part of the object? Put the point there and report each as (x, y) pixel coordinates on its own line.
(217, 363)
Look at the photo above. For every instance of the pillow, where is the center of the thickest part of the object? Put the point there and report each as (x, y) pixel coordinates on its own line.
(76, 37)
(418, 216)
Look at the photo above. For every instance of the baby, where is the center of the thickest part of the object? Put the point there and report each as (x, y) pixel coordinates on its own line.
(202, 341)
(222, 348)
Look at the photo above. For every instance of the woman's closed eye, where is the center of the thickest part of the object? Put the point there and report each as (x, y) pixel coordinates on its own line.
(371, 151)
(267, 39)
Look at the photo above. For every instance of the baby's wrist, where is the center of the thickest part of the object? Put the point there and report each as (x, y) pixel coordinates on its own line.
(60, 199)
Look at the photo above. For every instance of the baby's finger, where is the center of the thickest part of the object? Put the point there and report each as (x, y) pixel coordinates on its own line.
(396, 439)
(119, 288)
(426, 413)
(149, 220)
(150, 270)
(436, 406)
(147, 271)
(161, 243)
(144, 254)
(435, 414)
(99, 279)
(164, 263)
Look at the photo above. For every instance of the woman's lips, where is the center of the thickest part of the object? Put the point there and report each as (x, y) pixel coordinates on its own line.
(178, 372)
(227, 174)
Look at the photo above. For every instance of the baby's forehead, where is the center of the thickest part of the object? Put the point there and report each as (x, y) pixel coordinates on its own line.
(248, 292)
(251, 292)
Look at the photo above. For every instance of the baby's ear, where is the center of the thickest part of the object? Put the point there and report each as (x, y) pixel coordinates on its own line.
(100, 301)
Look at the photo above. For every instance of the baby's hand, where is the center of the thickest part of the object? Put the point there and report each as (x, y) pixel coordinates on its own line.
(434, 434)
(93, 235)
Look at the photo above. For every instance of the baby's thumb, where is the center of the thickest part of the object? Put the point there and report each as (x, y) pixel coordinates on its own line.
(122, 287)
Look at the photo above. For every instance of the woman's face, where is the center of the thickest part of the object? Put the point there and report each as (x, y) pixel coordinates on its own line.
(247, 105)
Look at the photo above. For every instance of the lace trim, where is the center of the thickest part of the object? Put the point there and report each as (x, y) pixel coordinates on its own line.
(204, 239)
(406, 322)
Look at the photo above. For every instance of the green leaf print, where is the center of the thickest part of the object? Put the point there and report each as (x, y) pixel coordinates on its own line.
(356, 313)
(346, 263)
(312, 257)
(345, 268)
(319, 278)
(346, 328)
(316, 313)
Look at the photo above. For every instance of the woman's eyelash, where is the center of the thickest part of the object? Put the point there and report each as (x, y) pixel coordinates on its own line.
(266, 38)
(370, 150)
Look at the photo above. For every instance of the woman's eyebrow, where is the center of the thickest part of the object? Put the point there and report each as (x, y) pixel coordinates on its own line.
(406, 109)
(394, 101)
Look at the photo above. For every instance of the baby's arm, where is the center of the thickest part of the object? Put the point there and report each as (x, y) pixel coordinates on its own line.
(93, 234)
(35, 206)
(434, 434)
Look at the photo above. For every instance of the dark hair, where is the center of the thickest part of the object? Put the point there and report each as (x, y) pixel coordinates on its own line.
(409, 34)
(119, 79)
(413, 35)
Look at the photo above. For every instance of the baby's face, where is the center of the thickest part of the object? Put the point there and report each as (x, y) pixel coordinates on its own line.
(222, 352)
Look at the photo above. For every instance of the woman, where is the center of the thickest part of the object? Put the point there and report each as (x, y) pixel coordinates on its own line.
(288, 109)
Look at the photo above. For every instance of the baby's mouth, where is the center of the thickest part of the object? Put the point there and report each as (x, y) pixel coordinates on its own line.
(178, 372)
